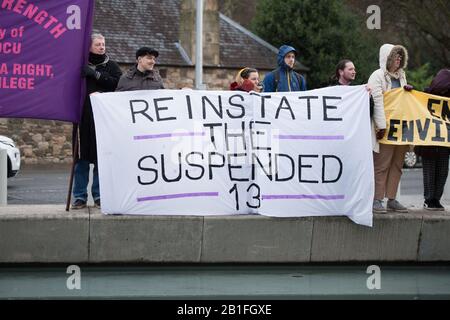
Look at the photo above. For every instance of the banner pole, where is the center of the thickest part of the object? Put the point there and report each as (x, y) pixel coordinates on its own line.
(75, 149)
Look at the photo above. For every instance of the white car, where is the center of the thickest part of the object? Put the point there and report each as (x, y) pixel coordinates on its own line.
(13, 155)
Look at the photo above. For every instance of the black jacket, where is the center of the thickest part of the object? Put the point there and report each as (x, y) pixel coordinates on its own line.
(440, 86)
(107, 82)
(335, 82)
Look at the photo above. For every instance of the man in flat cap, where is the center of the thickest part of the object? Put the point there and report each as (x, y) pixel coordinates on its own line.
(142, 76)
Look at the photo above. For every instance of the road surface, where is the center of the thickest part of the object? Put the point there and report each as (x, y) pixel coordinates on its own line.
(49, 185)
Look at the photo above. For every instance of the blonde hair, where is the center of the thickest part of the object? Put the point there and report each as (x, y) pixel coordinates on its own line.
(244, 73)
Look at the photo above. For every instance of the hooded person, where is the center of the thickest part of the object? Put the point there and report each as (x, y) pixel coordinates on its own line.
(284, 78)
(388, 159)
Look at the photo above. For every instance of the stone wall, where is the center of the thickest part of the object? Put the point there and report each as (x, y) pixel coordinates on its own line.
(214, 78)
(48, 234)
(46, 141)
(211, 30)
(40, 141)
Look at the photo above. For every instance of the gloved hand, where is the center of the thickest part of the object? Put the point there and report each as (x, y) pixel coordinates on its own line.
(380, 133)
(408, 87)
(88, 72)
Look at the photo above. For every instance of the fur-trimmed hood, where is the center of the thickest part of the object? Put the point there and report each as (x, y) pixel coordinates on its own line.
(387, 53)
(380, 81)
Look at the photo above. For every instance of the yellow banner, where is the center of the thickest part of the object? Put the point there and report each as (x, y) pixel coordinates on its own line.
(416, 118)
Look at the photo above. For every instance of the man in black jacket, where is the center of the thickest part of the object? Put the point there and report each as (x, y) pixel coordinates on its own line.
(102, 75)
(344, 75)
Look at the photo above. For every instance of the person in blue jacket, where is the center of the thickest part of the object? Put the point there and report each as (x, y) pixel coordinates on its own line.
(284, 78)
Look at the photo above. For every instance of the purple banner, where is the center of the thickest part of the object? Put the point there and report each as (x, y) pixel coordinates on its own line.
(43, 45)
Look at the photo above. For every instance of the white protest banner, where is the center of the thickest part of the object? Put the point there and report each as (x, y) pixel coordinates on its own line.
(185, 152)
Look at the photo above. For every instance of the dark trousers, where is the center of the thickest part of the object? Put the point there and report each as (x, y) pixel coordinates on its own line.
(435, 172)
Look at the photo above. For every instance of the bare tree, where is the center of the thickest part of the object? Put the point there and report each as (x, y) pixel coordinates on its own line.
(422, 25)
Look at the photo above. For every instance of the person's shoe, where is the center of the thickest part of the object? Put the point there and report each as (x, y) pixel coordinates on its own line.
(97, 203)
(429, 205)
(439, 206)
(378, 206)
(433, 205)
(394, 205)
(78, 204)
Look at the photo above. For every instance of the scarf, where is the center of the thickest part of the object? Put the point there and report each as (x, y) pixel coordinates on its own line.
(97, 59)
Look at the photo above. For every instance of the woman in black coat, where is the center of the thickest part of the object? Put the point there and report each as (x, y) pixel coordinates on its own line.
(435, 159)
(102, 75)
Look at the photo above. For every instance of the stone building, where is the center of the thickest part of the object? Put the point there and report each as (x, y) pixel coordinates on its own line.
(169, 27)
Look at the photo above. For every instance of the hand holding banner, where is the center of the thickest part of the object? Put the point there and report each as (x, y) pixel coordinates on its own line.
(172, 152)
(416, 118)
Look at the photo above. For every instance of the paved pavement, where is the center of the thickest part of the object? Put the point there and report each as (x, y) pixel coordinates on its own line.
(411, 189)
(49, 185)
(41, 184)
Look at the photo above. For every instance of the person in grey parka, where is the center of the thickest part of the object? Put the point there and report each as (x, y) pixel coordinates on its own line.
(143, 75)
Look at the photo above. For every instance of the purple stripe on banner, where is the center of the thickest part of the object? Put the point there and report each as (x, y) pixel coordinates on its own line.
(168, 135)
(302, 137)
(179, 195)
(302, 196)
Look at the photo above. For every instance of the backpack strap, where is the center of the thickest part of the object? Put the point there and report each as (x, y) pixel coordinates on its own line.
(276, 79)
(299, 79)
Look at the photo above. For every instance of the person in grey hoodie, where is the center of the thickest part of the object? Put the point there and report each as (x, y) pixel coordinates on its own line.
(388, 159)
(143, 75)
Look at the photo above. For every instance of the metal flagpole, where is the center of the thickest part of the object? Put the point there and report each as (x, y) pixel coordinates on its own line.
(199, 46)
